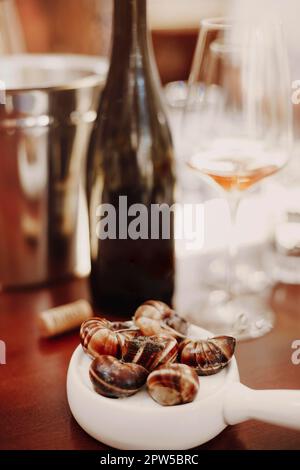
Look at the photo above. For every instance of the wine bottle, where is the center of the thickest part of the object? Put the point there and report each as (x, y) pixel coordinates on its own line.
(131, 162)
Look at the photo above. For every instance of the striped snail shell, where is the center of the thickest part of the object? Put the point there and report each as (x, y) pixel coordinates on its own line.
(207, 357)
(115, 379)
(99, 336)
(150, 327)
(153, 309)
(162, 308)
(159, 316)
(169, 316)
(178, 323)
(122, 325)
(173, 384)
(150, 351)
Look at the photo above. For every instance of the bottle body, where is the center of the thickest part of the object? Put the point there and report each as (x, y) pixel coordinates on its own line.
(130, 163)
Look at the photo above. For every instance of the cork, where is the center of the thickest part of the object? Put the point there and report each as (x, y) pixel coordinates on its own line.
(59, 320)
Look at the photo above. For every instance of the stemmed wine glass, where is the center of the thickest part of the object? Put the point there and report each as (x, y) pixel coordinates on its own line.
(237, 131)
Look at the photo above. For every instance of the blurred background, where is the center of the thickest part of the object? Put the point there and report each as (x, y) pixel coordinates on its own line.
(84, 27)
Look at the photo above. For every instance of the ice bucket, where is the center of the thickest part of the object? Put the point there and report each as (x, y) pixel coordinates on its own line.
(48, 107)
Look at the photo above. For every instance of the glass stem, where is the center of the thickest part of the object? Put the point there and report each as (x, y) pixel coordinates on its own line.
(234, 200)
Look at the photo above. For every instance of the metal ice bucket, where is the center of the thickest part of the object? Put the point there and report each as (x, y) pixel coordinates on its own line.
(48, 107)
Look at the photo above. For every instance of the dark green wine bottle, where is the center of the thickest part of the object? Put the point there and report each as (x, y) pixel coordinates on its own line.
(131, 161)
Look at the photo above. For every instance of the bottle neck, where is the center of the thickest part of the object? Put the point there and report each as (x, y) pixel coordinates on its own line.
(130, 32)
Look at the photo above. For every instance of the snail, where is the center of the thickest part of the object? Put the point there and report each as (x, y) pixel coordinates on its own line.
(123, 325)
(99, 336)
(115, 379)
(150, 351)
(155, 317)
(150, 327)
(207, 357)
(173, 384)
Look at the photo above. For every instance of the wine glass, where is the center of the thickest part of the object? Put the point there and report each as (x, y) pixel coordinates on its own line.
(237, 131)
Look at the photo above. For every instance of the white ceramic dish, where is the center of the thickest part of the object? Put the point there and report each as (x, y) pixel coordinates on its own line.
(140, 423)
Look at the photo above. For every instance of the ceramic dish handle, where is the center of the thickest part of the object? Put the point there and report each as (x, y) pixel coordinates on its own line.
(281, 407)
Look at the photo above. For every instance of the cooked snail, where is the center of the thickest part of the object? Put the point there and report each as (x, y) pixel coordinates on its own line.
(123, 325)
(207, 357)
(115, 379)
(160, 318)
(173, 384)
(150, 327)
(150, 351)
(154, 309)
(99, 336)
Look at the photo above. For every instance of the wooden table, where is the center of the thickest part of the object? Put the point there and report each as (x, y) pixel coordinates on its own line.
(34, 413)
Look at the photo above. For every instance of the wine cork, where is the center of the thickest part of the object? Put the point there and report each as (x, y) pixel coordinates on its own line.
(65, 318)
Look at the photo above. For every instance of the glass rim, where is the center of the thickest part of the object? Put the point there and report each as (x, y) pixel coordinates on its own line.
(217, 22)
(227, 22)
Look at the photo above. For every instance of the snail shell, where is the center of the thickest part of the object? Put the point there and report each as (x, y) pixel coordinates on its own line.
(122, 325)
(178, 323)
(115, 379)
(207, 357)
(149, 327)
(169, 316)
(173, 384)
(150, 351)
(99, 336)
(160, 314)
(163, 309)
(153, 309)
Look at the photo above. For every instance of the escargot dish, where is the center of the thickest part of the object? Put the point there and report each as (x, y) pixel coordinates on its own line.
(115, 379)
(153, 316)
(173, 384)
(150, 351)
(99, 336)
(207, 357)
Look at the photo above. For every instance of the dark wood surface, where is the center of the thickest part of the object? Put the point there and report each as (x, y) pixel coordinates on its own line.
(34, 413)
